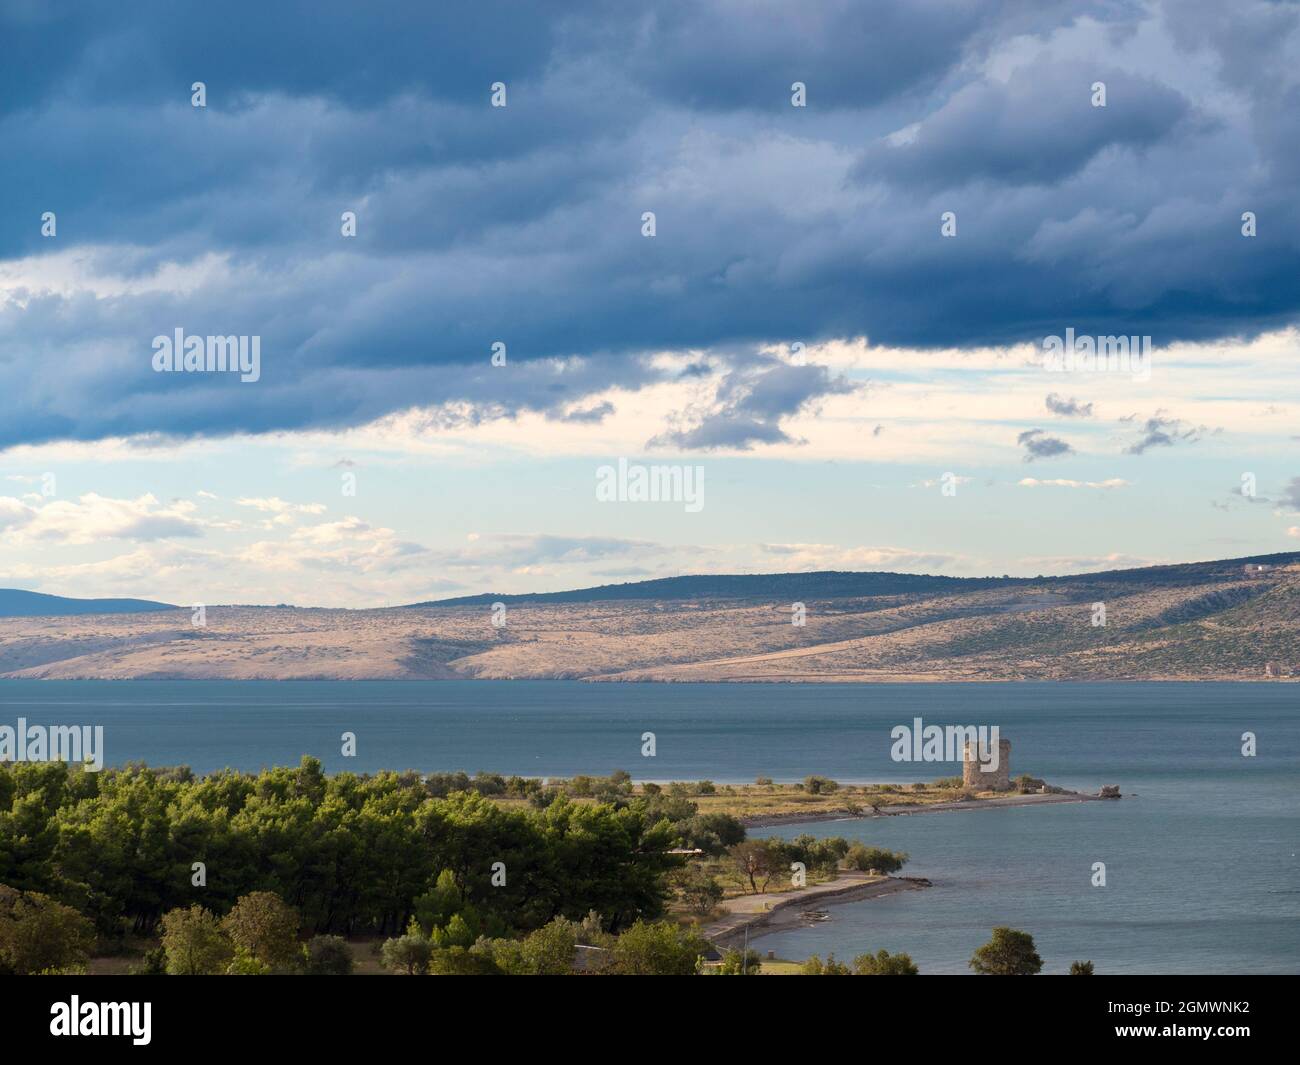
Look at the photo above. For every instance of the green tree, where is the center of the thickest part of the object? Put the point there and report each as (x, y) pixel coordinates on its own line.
(1008, 953)
(865, 859)
(457, 961)
(700, 892)
(1081, 968)
(658, 948)
(409, 954)
(38, 934)
(814, 966)
(327, 956)
(740, 963)
(194, 943)
(245, 964)
(461, 931)
(264, 927)
(882, 963)
(758, 860)
(549, 950)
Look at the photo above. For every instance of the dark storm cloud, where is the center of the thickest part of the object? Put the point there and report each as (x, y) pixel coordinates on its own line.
(1160, 430)
(1039, 445)
(522, 224)
(1068, 406)
(1039, 127)
(750, 403)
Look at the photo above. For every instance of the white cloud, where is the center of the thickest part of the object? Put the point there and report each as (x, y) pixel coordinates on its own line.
(832, 557)
(1061, 482)
(276, 505)
(93, 518)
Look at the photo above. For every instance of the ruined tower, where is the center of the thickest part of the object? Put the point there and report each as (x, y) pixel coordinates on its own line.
(976, 778)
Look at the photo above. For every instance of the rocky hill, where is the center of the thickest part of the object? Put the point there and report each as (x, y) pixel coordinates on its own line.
(1235, 619)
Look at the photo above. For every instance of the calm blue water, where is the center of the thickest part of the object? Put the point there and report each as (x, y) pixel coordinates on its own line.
(1201, 858)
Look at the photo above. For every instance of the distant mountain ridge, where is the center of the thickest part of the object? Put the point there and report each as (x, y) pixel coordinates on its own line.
(1229, 619)
(18, 603)
(852, 584)
(825, 584)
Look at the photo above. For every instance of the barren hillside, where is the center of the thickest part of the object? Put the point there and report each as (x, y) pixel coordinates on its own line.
(1213, 621)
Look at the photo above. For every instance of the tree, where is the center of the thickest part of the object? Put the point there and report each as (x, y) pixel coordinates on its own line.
(658, 948)
(408, 954)
(193, 942)
(866, 858)
(327, 956)
(882, 963)
(1081, 968)
(457, 961)
(757, 860)
(814, 966)
(549, 950)
(461, 931)
(38, 934)
(700, 892)
(1008, 953)
(264, 927)
(819, 785)
(350, 853)
(741, 963)
(245, 964)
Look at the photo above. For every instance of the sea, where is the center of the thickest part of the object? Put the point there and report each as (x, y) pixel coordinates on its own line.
(1195, 870)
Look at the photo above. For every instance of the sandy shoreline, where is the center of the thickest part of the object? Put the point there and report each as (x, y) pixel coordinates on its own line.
(901, 810)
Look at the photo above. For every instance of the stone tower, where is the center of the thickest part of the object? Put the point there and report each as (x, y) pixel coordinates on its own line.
(973, 775)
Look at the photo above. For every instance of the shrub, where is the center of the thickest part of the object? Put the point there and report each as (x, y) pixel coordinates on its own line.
(865, 859)
(549, 950)
(408, 955)
(814, 966)
(457, 961)
(327, 956)
(38, 934)
(883, 963)
(246, 964)
(740, 963)
(194, 943)
(700, 892)
(263, 926)
(1009, 953)
(658, 948)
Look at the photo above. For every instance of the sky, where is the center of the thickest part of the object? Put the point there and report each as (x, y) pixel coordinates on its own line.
(814, 253)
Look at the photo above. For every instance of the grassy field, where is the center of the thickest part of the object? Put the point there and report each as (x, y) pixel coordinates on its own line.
(750, 802)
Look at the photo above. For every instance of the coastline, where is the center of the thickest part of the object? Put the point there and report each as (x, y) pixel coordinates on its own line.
(768, 912)
(905, 809)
